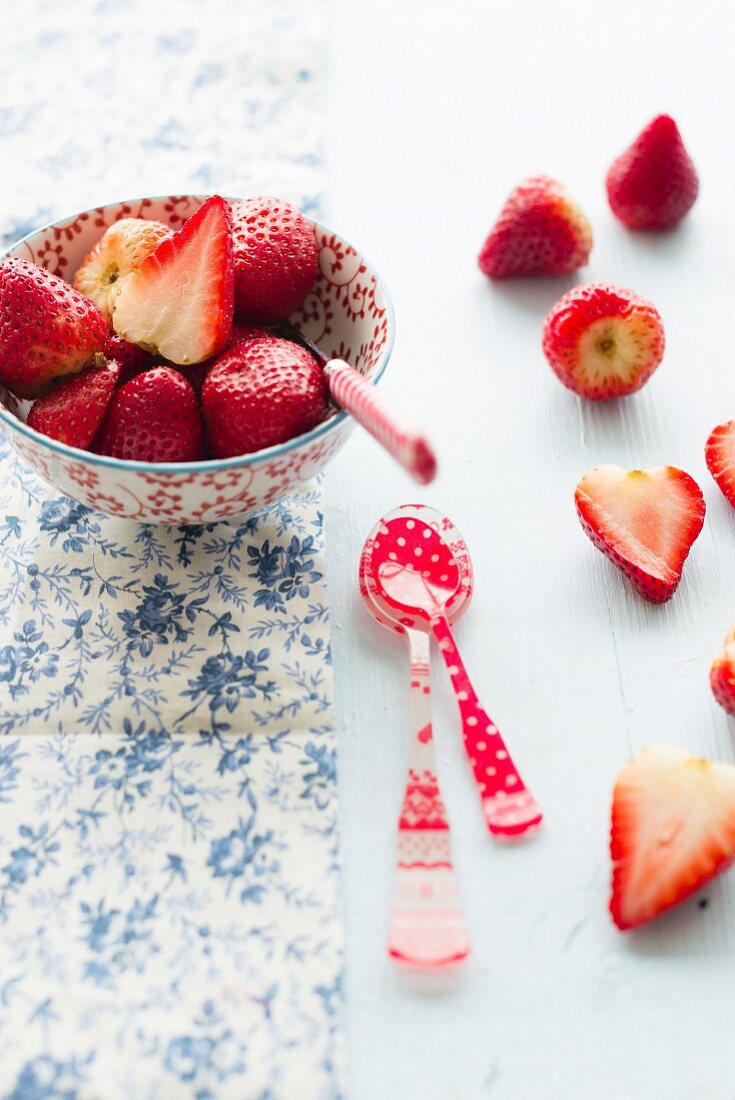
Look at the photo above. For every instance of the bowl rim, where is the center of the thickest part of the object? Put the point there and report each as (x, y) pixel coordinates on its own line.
(209, 465)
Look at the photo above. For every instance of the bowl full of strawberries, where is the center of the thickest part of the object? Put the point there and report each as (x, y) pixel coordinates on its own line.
(162, 359)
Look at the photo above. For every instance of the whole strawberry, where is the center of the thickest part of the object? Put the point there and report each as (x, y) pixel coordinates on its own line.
(540, 231)
(72, 412)
(153, 418)
(275, 255)
(603, 341)
(261, 393)
(653, 183)
(47, 329)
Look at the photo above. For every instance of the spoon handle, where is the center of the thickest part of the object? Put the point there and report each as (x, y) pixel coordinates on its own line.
(408, 445)
(510, 809)
(427, 928)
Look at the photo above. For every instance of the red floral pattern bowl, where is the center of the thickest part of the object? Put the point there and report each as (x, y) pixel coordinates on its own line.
(348, 314)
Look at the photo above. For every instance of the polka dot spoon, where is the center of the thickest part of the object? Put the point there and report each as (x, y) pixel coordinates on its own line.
(420, 566)
(427, 928)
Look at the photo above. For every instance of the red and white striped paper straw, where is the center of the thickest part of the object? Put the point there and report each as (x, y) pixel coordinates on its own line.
(360, 399)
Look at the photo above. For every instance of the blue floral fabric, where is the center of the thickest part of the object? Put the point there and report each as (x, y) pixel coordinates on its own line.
(169, 913)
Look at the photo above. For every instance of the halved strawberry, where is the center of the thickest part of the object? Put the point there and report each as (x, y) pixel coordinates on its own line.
(719, 454)
(540, 231)
(673, 829)
(178, 302)
(73, 411)
(722, 674)
(645, 521)
(122, 246)
(603, 341)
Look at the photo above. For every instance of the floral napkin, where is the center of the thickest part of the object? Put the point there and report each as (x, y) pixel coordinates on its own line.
(168, 876)
(169, 912)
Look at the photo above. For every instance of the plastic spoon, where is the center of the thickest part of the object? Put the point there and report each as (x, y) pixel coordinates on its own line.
(427, 928)
(419, 564)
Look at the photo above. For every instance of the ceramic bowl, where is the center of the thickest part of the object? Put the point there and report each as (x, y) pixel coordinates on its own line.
(348, 314)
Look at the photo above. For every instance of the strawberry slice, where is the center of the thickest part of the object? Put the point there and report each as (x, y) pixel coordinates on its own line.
(603, 341)
(673, 829)
(178, 302)
(722, 674)
(645, 521)
(719, 454)
(73, 411)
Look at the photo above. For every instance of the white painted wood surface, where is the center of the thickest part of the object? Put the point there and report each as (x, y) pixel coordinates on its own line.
(437, 110)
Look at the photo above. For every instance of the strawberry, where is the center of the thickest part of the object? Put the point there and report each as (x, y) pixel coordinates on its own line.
(121, 247)
(540, 231)
(153, 418)
(673, 829)
(240, 332)
(73, 411)
(261, 393)
(130, 357)
(645, 521)
(47, 329)
(178, 302)
(722, 674)
(719, 454)
(275, 258)
(653, 183)
(603, 341)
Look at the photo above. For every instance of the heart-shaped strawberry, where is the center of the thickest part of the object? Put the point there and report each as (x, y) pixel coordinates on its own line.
(644, 520)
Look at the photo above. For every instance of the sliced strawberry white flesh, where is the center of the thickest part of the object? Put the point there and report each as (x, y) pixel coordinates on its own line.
(178, 302)
(645, 521)
(673, 829)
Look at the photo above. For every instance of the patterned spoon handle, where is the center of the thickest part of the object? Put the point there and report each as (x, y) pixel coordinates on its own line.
(510, 809)
(427, 928)
(360, 399)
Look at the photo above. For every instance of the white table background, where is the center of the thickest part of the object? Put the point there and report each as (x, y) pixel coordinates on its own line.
(437, 111)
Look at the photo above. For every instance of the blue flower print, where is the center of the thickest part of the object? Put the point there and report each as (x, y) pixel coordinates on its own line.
(8, 664)
(44, 1078)
(159, 616)
(188, 1056)
(242, 850)
(29, 858)
(63, 516)
(286, 572)
(230, 677)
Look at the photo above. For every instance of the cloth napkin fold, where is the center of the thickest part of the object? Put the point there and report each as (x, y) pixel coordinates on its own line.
(168, 875)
